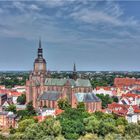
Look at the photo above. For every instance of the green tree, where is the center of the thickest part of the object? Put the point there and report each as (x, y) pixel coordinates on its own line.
(121, 121)
(30, 109)
(2, 137)
(50, 129)
(22, 113)
(89, 136)
(24, 124)
(21, 99)
(105, 99)
(11, 108)
(17, 136)
(81, 106)
(91, 124)
(106, 127)
(63, 104)
(132, 129)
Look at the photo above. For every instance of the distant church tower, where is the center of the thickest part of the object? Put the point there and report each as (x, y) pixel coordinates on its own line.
(74, 72)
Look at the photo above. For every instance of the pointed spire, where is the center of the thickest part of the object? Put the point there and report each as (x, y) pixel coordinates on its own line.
(39, 42)
(40, 50)
(74, 67)
(74, 72)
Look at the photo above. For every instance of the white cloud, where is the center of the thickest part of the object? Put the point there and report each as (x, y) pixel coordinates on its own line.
(95, 17)
(54, 3)
(34, 7)
(30, 25)
(104, 16)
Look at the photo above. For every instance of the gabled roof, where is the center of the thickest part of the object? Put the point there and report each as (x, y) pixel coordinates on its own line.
(131, 95)
(83, 83)
(50, 95)
(58, 82)
(71, 82)
(121, 109)
(87, 97)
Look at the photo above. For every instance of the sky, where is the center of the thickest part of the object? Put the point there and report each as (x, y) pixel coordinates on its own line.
(96, 35)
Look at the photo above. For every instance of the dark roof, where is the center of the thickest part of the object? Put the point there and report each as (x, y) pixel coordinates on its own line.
(87, 97)
(4, 113)
(49, 95)
(3, 94)
(40, 60)
(90, 97)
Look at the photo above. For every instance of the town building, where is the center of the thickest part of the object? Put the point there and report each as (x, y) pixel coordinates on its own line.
(43, 90)
(130, 112)
(20, 89)
(8, 119)
(111, 91)
(121, 82)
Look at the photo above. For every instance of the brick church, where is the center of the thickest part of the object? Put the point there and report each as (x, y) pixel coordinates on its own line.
(45, 91)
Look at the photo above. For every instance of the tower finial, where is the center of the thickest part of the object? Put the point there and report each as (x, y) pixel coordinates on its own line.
(40, 50)
(39, 42)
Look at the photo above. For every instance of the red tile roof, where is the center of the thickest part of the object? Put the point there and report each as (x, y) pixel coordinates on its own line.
(10, 92)
(102, 87)
(118, 82)
(58, 111)
(131, 95)
(121, 109)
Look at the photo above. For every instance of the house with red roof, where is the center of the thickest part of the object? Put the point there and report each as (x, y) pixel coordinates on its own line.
(130, 99)
(44, 113)
(2, 86)
(130, 112)
(106, 90)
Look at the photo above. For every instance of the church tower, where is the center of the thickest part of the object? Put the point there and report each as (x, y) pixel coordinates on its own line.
(40, 62)
(35, 84)
(74, 72)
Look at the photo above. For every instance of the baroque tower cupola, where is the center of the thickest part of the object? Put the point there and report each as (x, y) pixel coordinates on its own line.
(40, 62)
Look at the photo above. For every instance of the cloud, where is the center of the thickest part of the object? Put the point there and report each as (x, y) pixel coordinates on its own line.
(95, 17)
(55, 3)
(110, 14)
(79, 23)
(34, 7)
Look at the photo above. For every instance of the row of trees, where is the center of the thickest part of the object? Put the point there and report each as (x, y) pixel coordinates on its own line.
(12, 79)
(76, 123)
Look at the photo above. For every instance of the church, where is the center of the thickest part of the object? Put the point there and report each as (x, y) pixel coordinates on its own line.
(45, 91)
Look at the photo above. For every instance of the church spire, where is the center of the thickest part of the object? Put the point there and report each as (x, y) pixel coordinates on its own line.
(40, 50)
(74, 72)
(39, 42)
(74, 67)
